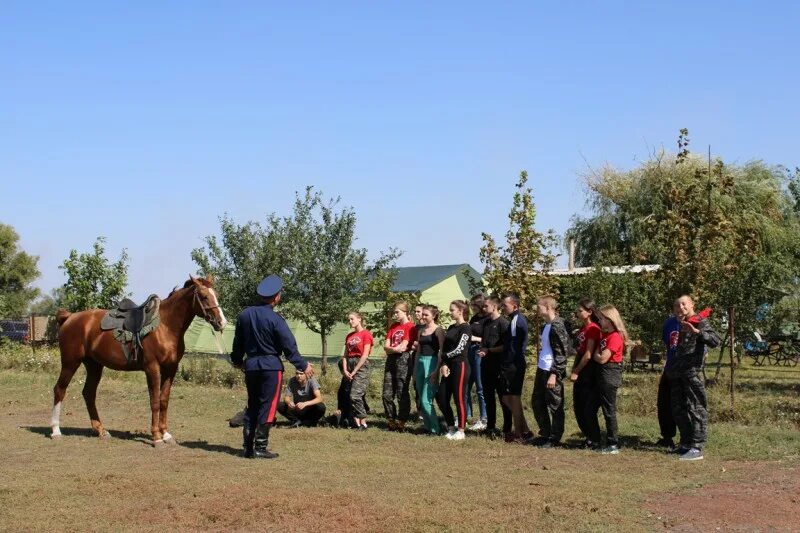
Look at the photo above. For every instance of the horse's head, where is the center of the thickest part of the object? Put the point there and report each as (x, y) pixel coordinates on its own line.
(206, 303)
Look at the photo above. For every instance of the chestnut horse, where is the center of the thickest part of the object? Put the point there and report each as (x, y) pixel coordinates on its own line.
(82, 341)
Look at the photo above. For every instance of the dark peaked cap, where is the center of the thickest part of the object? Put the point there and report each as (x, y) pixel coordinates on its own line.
(270, 286)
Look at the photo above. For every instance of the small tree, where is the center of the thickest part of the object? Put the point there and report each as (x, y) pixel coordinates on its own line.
(324, 275)
(521, 265)
(93, 282)
(48, 304)
(17, 271)
(329, 275)
(240, 258)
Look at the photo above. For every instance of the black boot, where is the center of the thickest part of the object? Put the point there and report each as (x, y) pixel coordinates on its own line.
(262, 440)
(247, 440)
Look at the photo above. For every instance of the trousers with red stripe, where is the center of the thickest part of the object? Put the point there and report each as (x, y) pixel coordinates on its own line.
(263, 395)
(453, 387)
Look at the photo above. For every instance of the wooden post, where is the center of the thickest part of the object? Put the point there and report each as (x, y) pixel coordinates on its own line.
(571, 265)
(32, 330)
(731, 338)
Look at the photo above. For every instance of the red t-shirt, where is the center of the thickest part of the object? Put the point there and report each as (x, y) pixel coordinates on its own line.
(590, 331)
(356, 341)
(402, 332)
(613, 342)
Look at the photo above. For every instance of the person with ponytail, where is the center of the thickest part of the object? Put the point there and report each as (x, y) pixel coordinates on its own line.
(584, 369)
(454, 370)
(608, 379)
(400, 339)
(355, 367)
(429, 351)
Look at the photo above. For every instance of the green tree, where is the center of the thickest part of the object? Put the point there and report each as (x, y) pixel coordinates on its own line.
(93, 282)
(48, 304)
(17, 271)
(325, 275)
(521, 265)
(723, 233)
(241, 257)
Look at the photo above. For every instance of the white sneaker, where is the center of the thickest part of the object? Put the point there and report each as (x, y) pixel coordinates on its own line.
(458, 435)
(450, 434)
(479, 425)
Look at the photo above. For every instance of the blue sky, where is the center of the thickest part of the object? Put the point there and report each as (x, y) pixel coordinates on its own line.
(420, 115)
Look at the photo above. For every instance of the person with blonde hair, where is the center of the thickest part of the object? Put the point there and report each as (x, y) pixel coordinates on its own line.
(607, 379)
(355, 367)
(551, 369)
(400, 339)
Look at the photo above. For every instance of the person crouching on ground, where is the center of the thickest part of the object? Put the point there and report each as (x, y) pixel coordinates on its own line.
(548, 387)
(355, 367)
(607, 379)
(454, 370)
(584, 369)
(400, 339)
(688, 391)
(302, 403)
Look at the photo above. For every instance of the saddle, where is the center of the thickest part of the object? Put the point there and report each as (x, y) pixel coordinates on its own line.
(131, 323)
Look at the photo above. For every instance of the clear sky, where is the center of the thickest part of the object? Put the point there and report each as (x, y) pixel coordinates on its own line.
(145, 122)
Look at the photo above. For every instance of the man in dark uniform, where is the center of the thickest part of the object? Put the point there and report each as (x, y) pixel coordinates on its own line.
(263, 336)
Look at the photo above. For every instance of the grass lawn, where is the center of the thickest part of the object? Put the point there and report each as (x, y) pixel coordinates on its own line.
(380, 481)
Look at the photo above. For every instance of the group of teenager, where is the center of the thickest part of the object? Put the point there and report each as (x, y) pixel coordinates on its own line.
(485, 347)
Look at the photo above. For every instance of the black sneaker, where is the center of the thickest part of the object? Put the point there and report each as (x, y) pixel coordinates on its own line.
(546, 445)
(665, 443)
(679, 450)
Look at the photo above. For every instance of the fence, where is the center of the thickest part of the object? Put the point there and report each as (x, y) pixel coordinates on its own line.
(31, 329)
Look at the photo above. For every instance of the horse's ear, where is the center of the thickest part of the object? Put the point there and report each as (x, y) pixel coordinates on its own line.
(193, 279)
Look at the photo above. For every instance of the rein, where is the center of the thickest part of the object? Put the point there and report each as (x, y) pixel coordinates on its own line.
(206, 314)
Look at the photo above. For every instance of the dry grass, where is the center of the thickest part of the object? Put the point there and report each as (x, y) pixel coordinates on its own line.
(328, 479)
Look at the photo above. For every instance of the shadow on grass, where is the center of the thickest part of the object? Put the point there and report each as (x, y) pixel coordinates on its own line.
(45, 431)
(209, 447)
(630, 442)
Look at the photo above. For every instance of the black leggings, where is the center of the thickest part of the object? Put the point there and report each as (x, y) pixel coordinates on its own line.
(454, 385)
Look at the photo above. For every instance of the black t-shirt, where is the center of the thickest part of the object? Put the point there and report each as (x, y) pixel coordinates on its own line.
(477, 323)
(494, 332)
(429, 344)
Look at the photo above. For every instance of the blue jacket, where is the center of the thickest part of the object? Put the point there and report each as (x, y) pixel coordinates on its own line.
(516, 341)
(670, 332)
(263, 335)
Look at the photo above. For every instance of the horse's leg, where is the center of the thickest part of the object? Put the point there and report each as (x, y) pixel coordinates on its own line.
(153, 373)
(68, 368)
(168, 374)
(94, 371)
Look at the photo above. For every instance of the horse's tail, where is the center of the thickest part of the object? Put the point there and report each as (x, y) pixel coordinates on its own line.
(61, 316)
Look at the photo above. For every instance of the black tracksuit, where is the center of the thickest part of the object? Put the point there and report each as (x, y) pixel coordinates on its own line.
(456, 345)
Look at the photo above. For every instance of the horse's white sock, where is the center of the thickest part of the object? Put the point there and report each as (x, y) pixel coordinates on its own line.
(55, 420)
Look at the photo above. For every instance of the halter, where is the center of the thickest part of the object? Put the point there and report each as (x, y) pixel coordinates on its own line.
(206, 315)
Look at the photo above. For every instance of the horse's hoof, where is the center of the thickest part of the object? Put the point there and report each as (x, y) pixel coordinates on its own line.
(55, 437)
(159, 443)
(169, 439)
(105, 435)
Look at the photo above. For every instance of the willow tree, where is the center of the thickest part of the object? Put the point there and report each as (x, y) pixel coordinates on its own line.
(724, 233)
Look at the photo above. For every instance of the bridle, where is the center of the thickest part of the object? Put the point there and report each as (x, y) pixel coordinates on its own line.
(204, 308)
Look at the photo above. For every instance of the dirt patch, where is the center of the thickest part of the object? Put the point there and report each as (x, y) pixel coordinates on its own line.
(764, 497)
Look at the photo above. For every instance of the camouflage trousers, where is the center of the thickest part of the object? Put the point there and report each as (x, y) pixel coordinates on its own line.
(396, 382)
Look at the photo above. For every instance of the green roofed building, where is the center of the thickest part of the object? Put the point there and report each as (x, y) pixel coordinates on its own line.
(436, 285)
